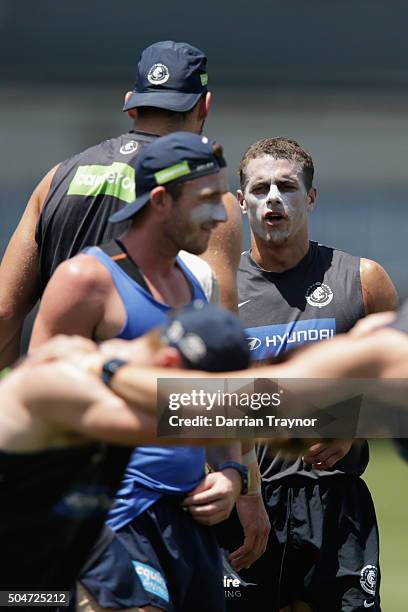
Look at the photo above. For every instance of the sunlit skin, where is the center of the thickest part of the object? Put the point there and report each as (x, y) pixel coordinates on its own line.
(198, 210)
(147, 350)
(277, 203)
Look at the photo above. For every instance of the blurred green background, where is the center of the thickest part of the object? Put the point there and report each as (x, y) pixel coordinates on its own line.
(333, 75)
(387, 478)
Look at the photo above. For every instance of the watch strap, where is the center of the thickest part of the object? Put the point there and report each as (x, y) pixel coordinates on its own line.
(241, 469)
(110, 368)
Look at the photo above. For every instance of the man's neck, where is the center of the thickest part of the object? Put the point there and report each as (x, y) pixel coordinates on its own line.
(279, 258)
(150, 251)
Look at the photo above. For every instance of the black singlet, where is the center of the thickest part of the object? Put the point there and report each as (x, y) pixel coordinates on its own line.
(85, 191)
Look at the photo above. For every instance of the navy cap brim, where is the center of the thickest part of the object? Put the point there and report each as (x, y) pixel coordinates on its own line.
(130, 210)
(170, 100)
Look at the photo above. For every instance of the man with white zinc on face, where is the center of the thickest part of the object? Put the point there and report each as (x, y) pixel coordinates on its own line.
(123, 289)
(292, 290)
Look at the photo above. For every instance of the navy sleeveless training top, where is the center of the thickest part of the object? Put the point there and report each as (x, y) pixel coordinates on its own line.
(320, 297)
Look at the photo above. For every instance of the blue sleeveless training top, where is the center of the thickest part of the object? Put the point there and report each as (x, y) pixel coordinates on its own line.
(152, 470)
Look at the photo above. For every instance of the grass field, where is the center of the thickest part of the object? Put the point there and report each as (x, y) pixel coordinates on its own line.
(387, 478)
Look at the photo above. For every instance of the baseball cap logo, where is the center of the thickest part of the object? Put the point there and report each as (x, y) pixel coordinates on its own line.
(158, 74)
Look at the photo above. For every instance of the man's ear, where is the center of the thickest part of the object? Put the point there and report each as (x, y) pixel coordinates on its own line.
(168, 357)
(160, 198)
(203, 106)
(206, 105)
(132, 112)
(311, 199)
(242, 202)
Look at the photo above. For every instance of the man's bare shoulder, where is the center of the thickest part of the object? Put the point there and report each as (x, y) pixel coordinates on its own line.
(74, 300)
(370, 267)
(83, 274)
(378, 289)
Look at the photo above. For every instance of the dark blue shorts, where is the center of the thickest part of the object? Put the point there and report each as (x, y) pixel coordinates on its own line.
(162, 558)
(323, 548)
(113, 581)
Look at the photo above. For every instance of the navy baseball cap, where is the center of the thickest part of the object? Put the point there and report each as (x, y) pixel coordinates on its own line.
(175, 158)
(169, 75)
(208, 338)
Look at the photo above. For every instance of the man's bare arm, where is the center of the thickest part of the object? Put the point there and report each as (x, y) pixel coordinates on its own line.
(88, 408)
(342, 357)
(19, 281)
(73, 302)
(224, 253)
(85, 405)
(252, 514)
(379, 292)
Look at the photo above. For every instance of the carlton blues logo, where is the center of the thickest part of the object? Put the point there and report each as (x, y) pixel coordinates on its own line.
(319, 295)
(368, 579)
(130, 147)
(158, 74)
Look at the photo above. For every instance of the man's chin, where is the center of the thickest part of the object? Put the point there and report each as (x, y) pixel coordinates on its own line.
(195, 249)
(273, 236)
(277, 238)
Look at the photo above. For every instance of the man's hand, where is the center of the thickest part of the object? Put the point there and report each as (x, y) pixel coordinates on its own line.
(213, 499)
(256, 526)
(324, 455)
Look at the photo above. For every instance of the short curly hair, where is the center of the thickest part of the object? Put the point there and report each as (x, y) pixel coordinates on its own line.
(279, 148)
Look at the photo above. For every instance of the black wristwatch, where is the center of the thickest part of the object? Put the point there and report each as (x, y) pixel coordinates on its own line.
(241, 469)
(110, 368)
